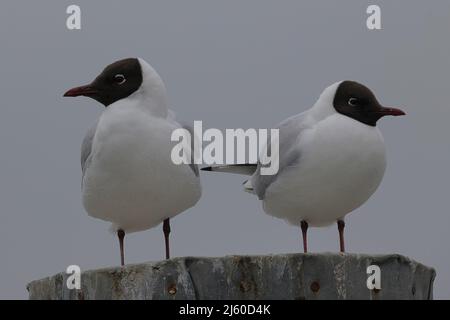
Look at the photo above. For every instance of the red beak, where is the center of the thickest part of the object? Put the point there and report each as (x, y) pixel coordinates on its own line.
(390, 112)
(87, 90)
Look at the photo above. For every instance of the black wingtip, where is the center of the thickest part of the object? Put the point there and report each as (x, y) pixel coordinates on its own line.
(206, 169)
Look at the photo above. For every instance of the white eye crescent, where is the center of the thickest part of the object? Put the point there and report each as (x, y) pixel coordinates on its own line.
(353, 102)
(119, 79)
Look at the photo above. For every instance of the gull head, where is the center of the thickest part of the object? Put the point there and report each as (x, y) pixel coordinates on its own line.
(127, 78)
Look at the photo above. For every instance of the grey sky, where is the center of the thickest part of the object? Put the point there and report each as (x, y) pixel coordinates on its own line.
(231, 64)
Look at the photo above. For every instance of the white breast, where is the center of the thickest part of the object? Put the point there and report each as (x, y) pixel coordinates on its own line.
(131, 180)
(341, 165)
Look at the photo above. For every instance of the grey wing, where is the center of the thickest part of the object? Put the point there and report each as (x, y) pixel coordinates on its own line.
(193, 166)
(289, 153)
(86, 148)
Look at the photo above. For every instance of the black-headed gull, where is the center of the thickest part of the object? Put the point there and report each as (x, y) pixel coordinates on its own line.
(331, 160)
(128, 176)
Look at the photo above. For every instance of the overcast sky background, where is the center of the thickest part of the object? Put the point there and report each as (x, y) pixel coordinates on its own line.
(231, 64)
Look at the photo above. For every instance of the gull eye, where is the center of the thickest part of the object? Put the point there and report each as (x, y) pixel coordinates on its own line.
(353, 102)
(119, 79)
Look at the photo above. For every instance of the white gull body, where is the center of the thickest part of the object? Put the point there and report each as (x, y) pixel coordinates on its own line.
(330, 164)
(129, 178)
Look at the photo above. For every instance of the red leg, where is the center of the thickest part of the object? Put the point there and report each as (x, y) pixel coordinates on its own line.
(341, 226)
(166, 230)
(304, 226)
(121, 235)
